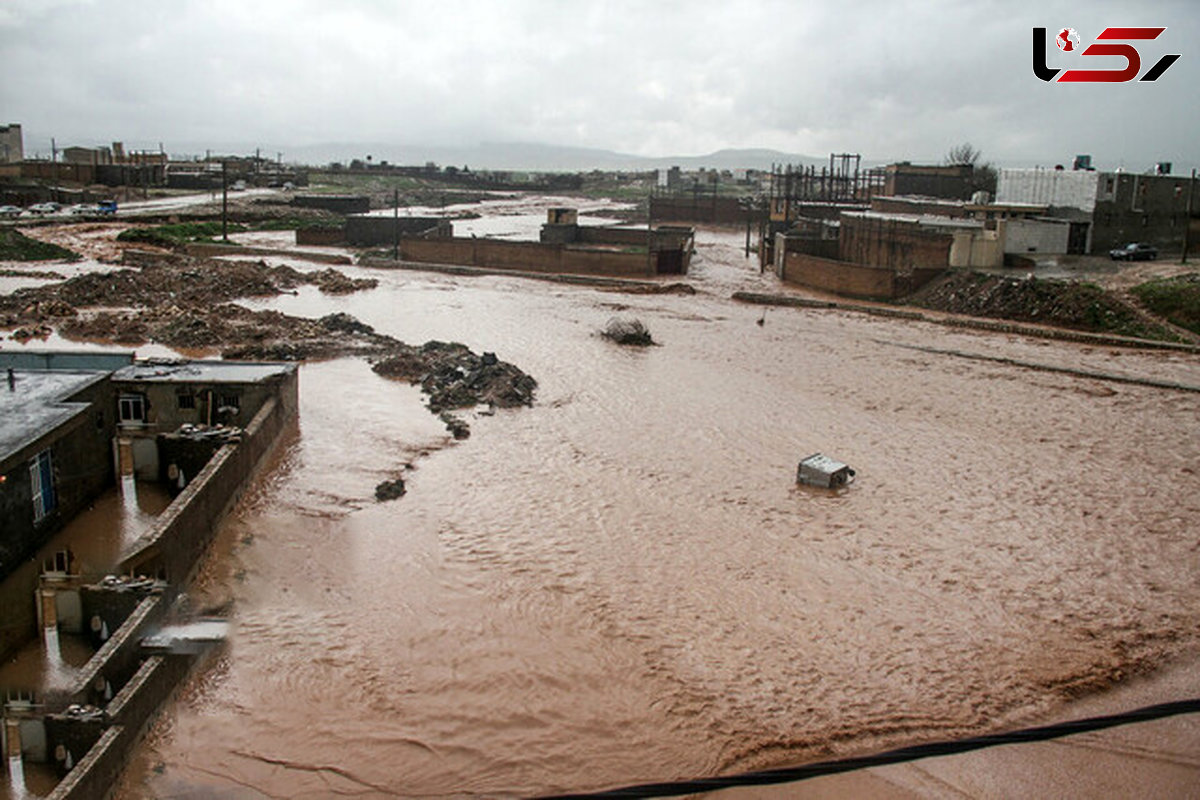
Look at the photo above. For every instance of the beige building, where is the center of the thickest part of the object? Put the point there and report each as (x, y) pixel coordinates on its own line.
(12, 149)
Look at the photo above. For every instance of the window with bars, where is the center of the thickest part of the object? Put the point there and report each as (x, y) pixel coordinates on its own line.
(41, 478)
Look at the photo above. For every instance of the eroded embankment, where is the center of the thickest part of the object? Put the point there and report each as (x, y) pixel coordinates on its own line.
(1069, 304)
(185, 303)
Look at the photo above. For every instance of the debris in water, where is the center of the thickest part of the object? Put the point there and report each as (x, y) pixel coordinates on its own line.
(627, 330)
(390, 490)
(821, 470)
(458, 428)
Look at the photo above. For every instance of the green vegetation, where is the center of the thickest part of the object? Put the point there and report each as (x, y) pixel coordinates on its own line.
(176, 234)
(299, 224)
(16, 246)
(1175, 299)
(1069, 304)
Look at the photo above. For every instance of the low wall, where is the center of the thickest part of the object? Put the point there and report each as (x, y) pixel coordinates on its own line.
(853, 280)
(321, 236)
(118, 659)
(173, 547)
(338, 203)
(210, 249)
(701, 207)
(524, 256)
(363, 231)
(97, 772)
(839, 277)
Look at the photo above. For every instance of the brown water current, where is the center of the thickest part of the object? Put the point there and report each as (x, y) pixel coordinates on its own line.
(623, 583)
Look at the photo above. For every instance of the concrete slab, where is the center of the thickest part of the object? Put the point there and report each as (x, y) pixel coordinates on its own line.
(35, 404)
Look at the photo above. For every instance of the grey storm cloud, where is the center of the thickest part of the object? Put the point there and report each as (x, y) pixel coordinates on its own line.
(881, 78)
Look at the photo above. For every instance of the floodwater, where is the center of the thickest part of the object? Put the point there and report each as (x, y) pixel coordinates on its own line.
(623, 583)
(96, 538)
(519, 217)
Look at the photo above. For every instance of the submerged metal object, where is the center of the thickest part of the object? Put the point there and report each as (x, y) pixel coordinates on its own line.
(821, 470)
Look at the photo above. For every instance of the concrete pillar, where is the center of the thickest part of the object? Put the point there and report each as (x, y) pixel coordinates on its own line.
(12, 739)
(49, 607)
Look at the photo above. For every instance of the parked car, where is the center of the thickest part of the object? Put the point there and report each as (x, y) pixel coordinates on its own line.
(81, 209)
(44, 208)
(1134, 251)
(10, 211)
(107, 207)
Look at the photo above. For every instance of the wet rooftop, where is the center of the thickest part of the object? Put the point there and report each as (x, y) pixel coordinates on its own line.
(207, 371)
(37, 403)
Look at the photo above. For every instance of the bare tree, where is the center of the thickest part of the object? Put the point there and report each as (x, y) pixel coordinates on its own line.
(967, 155)
(963, 155)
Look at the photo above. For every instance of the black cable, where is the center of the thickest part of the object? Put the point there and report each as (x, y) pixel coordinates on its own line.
(945, 748)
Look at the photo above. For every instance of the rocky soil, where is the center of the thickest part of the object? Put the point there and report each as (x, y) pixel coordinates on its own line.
(1068, 304)
(185, 303)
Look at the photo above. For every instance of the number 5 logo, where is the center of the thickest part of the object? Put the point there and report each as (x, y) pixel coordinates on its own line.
(1133, 59)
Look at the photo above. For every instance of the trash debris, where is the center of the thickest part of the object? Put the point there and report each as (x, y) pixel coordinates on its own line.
(390, 490)
(821, 470)
(458, 428)
(627, 330)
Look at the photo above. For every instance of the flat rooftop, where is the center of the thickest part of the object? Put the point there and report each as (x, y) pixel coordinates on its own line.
(202, 372)
(37, 404)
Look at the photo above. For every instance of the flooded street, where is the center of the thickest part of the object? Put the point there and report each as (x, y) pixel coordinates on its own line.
(624, 583)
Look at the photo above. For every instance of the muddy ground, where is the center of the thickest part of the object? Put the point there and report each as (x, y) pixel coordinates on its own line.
(1067, 304)
(185, 303)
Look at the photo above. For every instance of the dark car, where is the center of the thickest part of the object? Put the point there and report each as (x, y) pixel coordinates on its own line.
(1134, 251)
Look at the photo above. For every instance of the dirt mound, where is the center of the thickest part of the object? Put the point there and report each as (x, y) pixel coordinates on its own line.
(455, 377)
(1068, 304)
(172, 281)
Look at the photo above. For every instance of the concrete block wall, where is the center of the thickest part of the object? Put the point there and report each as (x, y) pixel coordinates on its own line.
(184, 530)
(321, 236)
(839, 277)
(699, 207)
(523, 256)
(338, 203)
(1035, 236)
(364, 231)
(118, 659)
(894, 244)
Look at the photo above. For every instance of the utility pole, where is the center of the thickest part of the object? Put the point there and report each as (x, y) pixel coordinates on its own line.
(395, 225)
(1187, 217)
(225, 201)
(54, 166)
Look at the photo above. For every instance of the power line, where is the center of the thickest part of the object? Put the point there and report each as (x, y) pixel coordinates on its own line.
(945, 748)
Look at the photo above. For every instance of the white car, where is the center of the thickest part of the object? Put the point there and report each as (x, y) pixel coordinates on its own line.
(10, 211)
(44, 208)
(81, 208)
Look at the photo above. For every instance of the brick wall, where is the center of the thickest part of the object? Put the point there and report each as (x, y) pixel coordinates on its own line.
(523, 256)
(898, 245)
(839, 277)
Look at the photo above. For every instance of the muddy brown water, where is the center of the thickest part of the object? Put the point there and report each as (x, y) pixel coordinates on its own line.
(623, 583)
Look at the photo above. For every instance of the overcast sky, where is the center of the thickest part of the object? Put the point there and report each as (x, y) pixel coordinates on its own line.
(887, 79)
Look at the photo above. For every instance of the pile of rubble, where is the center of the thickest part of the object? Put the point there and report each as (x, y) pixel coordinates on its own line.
(167, 282)
(455, 377)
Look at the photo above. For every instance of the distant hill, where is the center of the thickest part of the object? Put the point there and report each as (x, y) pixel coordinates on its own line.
(541, 157)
